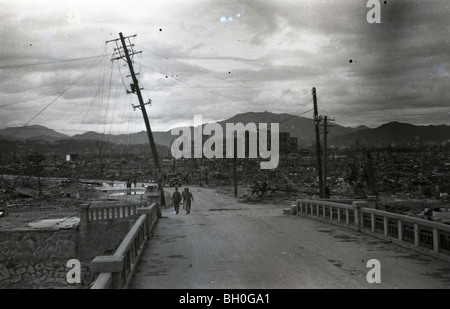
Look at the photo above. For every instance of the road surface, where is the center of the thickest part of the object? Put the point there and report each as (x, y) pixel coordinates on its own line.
(229, 245)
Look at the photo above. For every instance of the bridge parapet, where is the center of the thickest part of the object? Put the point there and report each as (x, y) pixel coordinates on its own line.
(115, 271)
(109, 211)
(427, 237)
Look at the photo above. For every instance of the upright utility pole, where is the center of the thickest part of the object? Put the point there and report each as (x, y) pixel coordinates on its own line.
(370, 174)
(235, 168)
(135, 89)
(325, 154)
(318, 150)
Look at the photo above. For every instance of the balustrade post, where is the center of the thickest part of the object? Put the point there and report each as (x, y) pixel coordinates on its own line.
(386, 226)
(84, 216)
(400, 230)
(110, 264)
(347, 216)
(82, 234)
(154, 196)
(357, 207)
(372, 201)
(338, 214)
(435, 240)
(372, 222)
(416, 234)
(294, 209)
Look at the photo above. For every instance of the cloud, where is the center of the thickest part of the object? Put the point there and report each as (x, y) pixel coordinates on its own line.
(193, 61)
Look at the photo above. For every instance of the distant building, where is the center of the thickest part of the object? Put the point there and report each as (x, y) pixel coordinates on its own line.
(285, 141)
(288, 143)
(72, 157)
(293, 145)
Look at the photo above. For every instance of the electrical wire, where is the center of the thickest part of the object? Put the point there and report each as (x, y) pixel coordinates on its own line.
(60, 95)
(202, 93)
(48, 62)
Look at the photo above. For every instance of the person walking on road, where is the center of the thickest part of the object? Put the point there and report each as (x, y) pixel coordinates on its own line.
(176, 198)
(187, 197)
(183, 198)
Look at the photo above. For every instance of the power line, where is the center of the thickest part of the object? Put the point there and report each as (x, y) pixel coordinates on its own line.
(48, 62)
(59, 95)
(205, 92)
(191, 67)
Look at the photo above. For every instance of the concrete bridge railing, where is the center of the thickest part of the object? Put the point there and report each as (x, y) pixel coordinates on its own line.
(421, 235)
(115, 271)
(112, 211)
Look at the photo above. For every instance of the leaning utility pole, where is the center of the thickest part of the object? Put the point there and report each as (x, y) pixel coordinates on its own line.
(127, 51)
(317, 120)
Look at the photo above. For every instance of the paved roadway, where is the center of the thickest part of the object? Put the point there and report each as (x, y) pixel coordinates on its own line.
(229, 245)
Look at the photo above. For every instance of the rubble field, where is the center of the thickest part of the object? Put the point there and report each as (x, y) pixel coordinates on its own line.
(424, 208)
(21, 204)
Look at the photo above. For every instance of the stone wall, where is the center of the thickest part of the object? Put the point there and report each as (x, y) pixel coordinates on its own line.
(37, 258)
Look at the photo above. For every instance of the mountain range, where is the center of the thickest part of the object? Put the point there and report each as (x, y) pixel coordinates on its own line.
(300, 127)
(35, 132)
(395, 133)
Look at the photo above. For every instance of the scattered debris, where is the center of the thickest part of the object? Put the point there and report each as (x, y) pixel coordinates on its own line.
(441, 216)
(63, 223)
(26, 192)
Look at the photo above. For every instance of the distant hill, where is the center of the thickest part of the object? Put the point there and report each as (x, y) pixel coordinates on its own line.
(395, 133)
(35, 132)
(300, 127)
(161, 138)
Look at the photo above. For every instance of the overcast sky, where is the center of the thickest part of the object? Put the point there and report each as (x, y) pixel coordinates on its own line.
(220, 58)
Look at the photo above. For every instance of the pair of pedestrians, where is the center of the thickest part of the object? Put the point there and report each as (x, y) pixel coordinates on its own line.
(186, 197)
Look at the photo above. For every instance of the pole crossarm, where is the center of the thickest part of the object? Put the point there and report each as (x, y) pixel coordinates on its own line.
(124, 49)
(126, 37)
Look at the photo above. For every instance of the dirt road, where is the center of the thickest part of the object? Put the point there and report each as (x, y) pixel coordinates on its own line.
(225, 244)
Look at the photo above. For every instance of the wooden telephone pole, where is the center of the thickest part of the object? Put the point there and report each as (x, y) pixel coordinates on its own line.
(317, 121)
(127, 52)
(235, 168)
(326, 125)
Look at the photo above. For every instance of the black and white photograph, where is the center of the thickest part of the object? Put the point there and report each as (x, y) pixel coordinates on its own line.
(224, 150)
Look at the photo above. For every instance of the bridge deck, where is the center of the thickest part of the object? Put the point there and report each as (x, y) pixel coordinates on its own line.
(225, 244)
